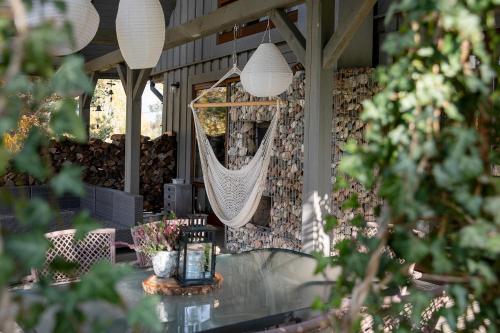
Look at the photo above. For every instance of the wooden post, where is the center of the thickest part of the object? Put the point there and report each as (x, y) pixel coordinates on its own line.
(84, 104)
(164, 110)
(318, 128)
(134, 83)
(290, 33)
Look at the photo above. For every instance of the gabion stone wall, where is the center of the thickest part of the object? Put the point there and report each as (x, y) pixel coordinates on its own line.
(284, 187)
(351, 88)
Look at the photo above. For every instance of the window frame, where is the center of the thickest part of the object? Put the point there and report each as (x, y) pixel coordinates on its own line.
(252, 27)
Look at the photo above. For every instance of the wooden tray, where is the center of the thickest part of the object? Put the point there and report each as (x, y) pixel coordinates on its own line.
(157, 286)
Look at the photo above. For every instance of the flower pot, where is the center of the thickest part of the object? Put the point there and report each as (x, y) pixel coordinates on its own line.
(165, 263)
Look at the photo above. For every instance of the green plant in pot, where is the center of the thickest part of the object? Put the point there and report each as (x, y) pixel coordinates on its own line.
(161, 243)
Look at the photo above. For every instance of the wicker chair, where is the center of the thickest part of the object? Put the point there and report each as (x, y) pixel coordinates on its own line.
(98, 245)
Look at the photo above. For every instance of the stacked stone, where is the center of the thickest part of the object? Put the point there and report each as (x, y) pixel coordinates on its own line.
(351, 88)
(285, 170)
(285, 178)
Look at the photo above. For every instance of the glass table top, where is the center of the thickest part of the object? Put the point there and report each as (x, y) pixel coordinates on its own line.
(259, 289)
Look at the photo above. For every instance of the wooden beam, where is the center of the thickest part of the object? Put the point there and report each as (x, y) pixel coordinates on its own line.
(142, 79)
(316, 196)
(223, 18)
(341, 38)
(134, 82)
(104, 62)
(233, 104)
(122, 73)
(132, 135)
(290, 33)
(84, 104)
(105, 37)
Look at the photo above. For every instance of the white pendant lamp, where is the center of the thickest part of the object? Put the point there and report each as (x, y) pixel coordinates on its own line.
(82, 16)
(267, 73)
(140, 28)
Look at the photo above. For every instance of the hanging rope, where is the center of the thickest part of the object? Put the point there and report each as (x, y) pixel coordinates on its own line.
(267, 31)
(235, 37)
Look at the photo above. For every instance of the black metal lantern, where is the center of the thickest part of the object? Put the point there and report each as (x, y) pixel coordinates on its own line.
(196, 255)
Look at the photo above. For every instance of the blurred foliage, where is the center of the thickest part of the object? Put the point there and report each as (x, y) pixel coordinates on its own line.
(213, 120)
(102, 121)
(13, 141)
(29, 84)
(432, 136)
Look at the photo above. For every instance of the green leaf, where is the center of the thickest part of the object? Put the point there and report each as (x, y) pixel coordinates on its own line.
(70, 79)
(340, 183)
(144, 314)
(84, 223)
(65, 121)
(59, 264)
(475, 236)
(330, 223)
(68, 180)
(4, 159)
(28, 159)
(318, 304)
(492, 206)
(35, 213)
(28, 249)
(351, 202)
(322, 262)
(7, 270)
(32, 317)
(100, 282)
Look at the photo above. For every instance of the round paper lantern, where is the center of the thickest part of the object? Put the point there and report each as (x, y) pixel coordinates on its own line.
(82, 16)
(140, 28)
(267, 73)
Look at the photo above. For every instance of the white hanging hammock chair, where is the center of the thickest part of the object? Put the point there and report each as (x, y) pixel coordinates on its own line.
(234, 194)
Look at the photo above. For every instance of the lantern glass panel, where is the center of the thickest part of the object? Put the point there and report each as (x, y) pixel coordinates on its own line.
(196, 255)
(199, 261)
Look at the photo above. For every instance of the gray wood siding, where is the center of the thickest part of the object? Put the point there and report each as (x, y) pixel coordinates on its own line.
(206, 48)
(205, 61)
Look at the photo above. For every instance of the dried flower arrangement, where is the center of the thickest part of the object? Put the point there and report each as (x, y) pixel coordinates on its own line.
(163, 236)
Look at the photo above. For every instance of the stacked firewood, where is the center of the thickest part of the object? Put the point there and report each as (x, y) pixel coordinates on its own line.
(104, 165)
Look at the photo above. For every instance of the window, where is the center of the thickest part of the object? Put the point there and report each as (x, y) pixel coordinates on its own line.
(380, 31)
(252, 27)
(214, 123)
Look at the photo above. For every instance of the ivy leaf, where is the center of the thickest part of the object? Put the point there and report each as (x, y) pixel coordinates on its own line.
(477, 236)
(64, 121)
(29, 249)
(35, 213)
(28, 159)
(340, 183)
(145, 314)
(330, 223)
(318, 304)
(100, 281)
(492, 206)
(70, 79)
(322, 262)
(4, 159)
(83, 224)
(68, 180)
(7, 270)
(351, 202)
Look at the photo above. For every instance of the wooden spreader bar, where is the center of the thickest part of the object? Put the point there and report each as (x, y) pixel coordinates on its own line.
(229, 104)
